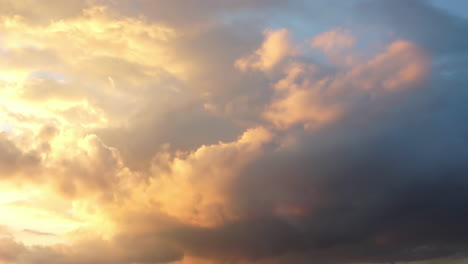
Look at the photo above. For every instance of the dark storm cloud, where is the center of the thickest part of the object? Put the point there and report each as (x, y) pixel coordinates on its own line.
(385, 184)
(377, 187)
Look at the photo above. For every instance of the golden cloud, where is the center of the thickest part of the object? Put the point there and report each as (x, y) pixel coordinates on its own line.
(109, 141)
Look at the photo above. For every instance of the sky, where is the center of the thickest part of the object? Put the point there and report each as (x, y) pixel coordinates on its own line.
(233, 131)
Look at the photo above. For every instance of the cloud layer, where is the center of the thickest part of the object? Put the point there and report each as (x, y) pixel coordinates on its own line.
(239, 132)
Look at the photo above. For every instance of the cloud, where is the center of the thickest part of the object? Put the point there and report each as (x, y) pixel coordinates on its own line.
(190, 187)
(40, 11)
(274, 49)
(157, 132)
(408, 18)
(9, 250)
(333, 40)
(311, 96)
(34, 232)
(89, 166)
(14, 160)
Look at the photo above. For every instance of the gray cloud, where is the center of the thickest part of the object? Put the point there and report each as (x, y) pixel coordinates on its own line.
(385, 182)
(435, 29)
(375, 187)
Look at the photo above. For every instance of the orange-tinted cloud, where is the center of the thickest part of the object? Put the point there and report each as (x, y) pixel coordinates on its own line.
(276, 47)
(307, 95)
(334, 40)
(170, 135)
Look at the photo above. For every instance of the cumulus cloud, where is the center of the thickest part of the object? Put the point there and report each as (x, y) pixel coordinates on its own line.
(276, 47)
(192, 187)
(231, 132)
(310, 95)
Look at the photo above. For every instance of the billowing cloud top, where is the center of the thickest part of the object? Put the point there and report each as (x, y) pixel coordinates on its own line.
(202, 132)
